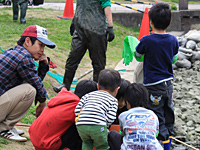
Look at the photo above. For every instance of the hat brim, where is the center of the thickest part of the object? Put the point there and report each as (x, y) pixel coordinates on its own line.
(47, 42)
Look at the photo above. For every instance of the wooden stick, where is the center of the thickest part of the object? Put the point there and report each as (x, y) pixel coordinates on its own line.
(184, 143)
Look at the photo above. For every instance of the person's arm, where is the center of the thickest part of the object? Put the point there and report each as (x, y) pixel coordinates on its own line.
(106, 6)
(109, 31)
(108, 14)
(111, 114)
(40, 108)
(43, 66)
(29, 74)
(176, 52)
(157, 125)
(80, 106)
(139, 51)
(120, 118)
(175, 59)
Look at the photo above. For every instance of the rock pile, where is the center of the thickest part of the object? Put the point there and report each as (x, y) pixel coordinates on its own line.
(187, 92)
(189, 50)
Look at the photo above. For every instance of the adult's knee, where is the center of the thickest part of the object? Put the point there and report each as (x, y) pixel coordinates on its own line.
(30, 91)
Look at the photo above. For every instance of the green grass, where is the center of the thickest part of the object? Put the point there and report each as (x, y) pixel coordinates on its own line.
(30, 116)
(3, 142)
(58, 32)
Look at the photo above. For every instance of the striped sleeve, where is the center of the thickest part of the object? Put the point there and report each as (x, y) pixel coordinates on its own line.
(111, 114)
(80, 105)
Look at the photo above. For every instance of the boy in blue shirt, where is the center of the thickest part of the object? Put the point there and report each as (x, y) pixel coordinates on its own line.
(160, 51)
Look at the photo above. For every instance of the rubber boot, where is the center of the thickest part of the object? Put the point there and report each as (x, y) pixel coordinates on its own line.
(96, 75)
(170, 140)
(67, 81)
(15, 10)
(166, 144)
(23, 8)
(57, 89)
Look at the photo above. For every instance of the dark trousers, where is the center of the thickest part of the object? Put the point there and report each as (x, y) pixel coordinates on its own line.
(71, 139)
(161, 103)
(81, 41)
(23, 7)
(114, 140)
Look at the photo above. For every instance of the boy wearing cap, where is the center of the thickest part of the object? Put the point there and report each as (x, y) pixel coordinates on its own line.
(20, 82)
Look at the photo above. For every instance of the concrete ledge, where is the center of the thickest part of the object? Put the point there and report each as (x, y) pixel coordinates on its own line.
(181, 20)
(132, 72)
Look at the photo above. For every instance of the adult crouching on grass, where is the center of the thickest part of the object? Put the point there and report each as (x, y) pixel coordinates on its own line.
(20, 82)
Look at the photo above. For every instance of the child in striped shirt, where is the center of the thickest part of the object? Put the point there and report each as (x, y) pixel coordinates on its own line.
(97, 110)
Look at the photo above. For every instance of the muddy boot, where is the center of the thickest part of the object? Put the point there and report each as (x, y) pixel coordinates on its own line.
(15, 10)
(68, 78)
(23, 7)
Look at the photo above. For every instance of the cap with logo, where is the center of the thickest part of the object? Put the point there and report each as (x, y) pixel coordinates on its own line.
(40, 33)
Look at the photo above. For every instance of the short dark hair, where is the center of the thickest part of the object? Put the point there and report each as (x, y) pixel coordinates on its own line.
(123, 85)
(22, 40)
(160, 15)
(109, 79)
(137, 95)
(84, 87)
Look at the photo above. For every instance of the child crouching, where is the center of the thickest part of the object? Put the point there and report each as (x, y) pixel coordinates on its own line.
(139, 125)
(98, 110)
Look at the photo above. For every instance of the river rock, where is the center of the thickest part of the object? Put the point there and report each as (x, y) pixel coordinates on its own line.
(197, 47)
(193, 35)
(195, 56)
(182, 41)
(183, 63)
(191, 44)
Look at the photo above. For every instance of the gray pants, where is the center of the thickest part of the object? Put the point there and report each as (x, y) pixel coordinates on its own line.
(23, 7)
(14, 104)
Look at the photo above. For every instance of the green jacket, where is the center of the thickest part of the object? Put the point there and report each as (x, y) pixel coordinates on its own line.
(90, 17)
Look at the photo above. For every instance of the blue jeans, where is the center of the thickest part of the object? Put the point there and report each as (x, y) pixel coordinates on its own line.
(160, 102)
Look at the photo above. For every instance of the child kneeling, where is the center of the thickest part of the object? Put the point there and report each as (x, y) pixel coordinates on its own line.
(139, 125)
(55, 128)
(98, 111)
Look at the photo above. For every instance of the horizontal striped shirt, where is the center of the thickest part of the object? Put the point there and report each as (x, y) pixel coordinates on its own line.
(98, 108)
